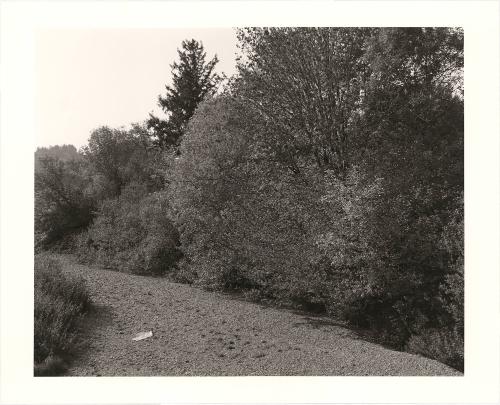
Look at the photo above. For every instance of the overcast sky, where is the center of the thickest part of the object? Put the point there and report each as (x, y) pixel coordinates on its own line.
(89, 78)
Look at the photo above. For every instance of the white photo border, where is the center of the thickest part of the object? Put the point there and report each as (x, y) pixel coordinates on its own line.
(19, 24)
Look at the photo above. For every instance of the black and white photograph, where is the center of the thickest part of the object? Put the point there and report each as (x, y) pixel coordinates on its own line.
(295, 208)
(302, 207)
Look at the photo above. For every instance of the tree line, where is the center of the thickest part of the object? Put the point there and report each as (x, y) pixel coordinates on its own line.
(327, 174)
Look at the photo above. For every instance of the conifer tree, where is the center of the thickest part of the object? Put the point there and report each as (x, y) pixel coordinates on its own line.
(192, 80)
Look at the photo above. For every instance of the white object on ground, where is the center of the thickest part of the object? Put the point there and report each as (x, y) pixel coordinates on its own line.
(142, 335)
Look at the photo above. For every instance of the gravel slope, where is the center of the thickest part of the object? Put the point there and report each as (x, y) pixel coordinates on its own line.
(202, 333)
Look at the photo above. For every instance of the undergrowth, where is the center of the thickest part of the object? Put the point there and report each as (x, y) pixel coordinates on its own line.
(60, 302)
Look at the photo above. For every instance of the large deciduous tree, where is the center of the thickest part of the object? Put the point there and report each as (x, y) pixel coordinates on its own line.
(307, 83)
(193, 78)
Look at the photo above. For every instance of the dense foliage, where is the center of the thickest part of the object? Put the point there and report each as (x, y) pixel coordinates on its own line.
(60, 301)
(328, 175)
(132, 233)
(117, 158)
(69, 188)
(331, 176)
(62, 206)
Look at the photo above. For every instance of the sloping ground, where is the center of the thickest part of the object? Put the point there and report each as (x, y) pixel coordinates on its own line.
(202, 333)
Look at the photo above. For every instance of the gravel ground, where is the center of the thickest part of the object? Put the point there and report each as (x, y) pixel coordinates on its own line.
(201, 333)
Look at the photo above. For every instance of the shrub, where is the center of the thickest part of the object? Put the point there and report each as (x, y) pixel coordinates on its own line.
(132, 233)
(444, 344)
(60, 302)
(246, 222)
(451, 291)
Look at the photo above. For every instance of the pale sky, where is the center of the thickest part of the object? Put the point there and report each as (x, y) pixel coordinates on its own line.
(89, 78)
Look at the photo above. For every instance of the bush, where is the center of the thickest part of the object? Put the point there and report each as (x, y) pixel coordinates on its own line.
(416, 291)
(446, 342)
(60, 302)
(445, 345)
(132, 233)
(246, 223)
(451, 291)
